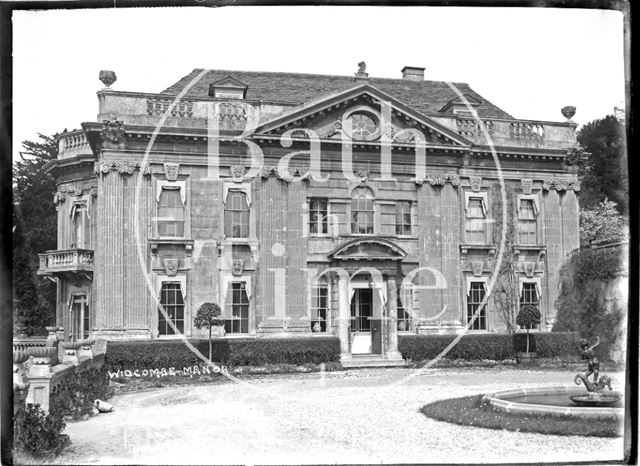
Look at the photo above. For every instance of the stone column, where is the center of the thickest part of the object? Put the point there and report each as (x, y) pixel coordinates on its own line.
(343, 319)
(392, 320)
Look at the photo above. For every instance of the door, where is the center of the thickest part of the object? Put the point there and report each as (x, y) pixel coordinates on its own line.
(79, 318)
(361, 312)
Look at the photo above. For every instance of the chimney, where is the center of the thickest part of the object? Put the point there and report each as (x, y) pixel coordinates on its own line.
(413, 73)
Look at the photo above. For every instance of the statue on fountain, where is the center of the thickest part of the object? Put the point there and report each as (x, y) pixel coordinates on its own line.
(593, 368)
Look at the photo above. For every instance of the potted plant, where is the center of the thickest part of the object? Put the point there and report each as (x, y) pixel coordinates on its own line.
(208, 316)
(528, 318)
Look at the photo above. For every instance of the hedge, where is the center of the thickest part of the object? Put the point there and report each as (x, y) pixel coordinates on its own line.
(495, 346)
(231, 352)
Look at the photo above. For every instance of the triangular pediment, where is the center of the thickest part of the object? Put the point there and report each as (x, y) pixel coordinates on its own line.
(368, 249)
(363, 114)
(228, 84)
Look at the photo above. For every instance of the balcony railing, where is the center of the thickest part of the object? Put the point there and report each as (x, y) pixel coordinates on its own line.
(72, 144)
(71, 260)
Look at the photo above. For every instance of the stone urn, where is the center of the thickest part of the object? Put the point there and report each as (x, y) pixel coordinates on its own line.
(316, 327)
(19, 358)
(107, 77)
(568, 111)
(86, 351)
(71, 348)
(42, 358)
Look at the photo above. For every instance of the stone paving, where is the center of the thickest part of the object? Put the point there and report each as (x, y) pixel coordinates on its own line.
(356, 416)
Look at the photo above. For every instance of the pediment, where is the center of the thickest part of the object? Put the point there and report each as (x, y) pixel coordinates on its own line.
(362, 114)
(368, 249)
(228, 86)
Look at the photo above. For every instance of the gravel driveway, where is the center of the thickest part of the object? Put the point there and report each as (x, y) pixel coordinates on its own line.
(356, 416)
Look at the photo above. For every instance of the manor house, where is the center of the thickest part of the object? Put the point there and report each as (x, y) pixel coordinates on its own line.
(309, 205)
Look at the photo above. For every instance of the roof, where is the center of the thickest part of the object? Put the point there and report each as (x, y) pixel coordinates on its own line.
(298, 88)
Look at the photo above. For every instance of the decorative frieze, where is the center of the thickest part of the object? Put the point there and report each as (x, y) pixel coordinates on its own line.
(171, 171)
(237, 172)
(331, 130)
(284, 174)
(527, 185)
(475, 182)
(559, 185)
(440, 180)
(123, 168)
(171, 266)
(113, 130)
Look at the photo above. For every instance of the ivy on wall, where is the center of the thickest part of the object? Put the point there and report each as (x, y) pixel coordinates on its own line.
(506, 291)
(581, 305)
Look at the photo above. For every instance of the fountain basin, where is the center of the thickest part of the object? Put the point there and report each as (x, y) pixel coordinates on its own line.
(553, 400)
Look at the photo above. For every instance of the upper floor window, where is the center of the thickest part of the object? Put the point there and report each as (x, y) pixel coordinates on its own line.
(318, 217)
(171, 212)
(527, 222)
(403, 218)
(362, 211)
(475, 221)
(81, 235)
(319, 307)
(236, 215)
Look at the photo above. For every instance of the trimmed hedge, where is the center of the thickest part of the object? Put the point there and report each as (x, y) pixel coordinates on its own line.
(495, 346)
(154, 354)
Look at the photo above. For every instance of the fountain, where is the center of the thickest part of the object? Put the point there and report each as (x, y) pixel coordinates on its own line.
(594, 396)
(564, 400)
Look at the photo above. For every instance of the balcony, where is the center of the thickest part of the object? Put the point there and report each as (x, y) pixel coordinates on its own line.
(70, 261)
(73, 144)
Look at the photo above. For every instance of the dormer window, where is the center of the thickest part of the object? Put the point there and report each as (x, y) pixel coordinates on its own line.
(228, 88)
(459, 107)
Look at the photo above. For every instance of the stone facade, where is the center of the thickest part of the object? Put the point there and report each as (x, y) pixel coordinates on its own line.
(391, 225)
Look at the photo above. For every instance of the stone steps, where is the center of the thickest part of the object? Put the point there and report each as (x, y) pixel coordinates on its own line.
(371, 360)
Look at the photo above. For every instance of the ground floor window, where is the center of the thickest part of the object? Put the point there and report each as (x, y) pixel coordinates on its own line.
(80, 324)
(529, 295)
(405, 300)
(319, 307)
(474, 299)
(237, 309)
(172, 302)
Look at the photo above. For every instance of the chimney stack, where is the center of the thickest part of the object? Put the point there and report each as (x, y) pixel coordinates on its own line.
(413, 73)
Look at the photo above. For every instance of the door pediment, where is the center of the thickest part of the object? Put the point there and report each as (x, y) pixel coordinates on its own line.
(368, 249)
(362, 114)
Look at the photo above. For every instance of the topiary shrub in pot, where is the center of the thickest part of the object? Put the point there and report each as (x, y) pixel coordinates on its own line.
(208, 316)
(528, 318)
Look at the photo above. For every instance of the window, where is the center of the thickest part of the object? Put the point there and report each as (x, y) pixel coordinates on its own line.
(362, 211)
(475, 221)
(474, 299)
(319, 307)
(81, 227)
(527, 222)
(403, 218)
(237, 309)
(172, 302)
(79, 317)
(236, 215)
(170, 213)
(404, 305)
(529, 294)
(318, 217)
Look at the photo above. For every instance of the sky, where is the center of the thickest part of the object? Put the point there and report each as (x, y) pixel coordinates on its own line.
(531, 62)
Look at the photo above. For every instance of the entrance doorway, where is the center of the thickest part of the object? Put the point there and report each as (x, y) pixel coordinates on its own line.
(366, 328)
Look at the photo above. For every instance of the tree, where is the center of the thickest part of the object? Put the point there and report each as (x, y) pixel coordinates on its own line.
(528, 318)
(602, 223)
(208, 316)
(604, 175)
(34, 231)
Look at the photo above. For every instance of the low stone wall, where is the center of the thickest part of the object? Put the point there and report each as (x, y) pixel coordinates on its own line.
(39, 369)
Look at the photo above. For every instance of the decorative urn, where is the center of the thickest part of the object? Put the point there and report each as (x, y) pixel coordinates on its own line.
(568, 111)
(107, 77)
